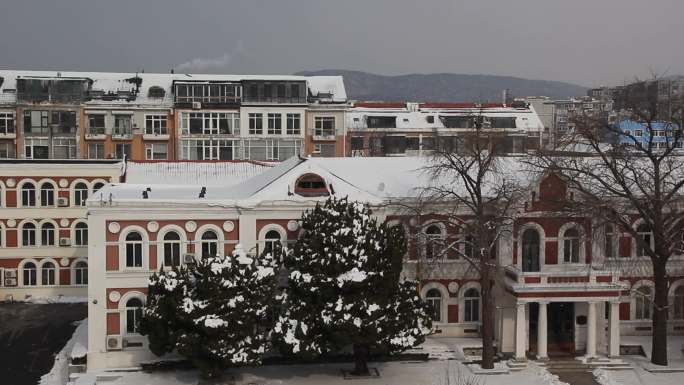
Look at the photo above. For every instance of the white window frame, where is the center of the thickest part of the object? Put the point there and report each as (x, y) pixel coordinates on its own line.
(156, 124)
(290, 126)
(150, 151)
(7, 121)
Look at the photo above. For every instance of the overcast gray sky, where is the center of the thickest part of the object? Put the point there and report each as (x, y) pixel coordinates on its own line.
(589, 42)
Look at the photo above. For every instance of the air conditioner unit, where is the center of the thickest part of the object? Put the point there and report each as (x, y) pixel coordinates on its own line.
(62, 202)
(196, 105)
(114, 343)
(10, 282)
(188, 258)
(64, 242)
(10, 273)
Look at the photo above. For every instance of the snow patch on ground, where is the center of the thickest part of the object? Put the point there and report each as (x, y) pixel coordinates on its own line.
(58, 299)
(75, 347)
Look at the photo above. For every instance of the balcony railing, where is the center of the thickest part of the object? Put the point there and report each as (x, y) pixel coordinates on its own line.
(95, 131)
(562, 275)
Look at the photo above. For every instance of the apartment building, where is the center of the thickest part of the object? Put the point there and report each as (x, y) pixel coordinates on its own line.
(79, 115)
(410, 129)
(43, 224)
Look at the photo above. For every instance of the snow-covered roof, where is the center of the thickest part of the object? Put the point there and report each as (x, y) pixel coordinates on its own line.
(202, 173)
(371, 180)
(114, 82)
(413, 116)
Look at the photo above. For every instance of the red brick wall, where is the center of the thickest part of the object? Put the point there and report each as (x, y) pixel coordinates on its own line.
(113, 323)
(452, 316)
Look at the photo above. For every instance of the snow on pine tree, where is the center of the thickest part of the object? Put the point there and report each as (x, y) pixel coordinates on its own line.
(214, 312)
(345, 290)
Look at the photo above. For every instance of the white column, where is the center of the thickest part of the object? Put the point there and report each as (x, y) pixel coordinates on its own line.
(520, 332)
(614, 330)
(542, 332)
(591, 330)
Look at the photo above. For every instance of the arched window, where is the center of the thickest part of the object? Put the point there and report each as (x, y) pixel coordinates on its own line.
(610, 246)
(81, 234)
(28, 234)
(47, 234)
(172, 249)
(30, 274)
(97, 186)
(646, 236)
(434, 300)
(209, 244)
(571, 246)
(47, 195)
(80, 194)
(311, 185)
(642, 303)
(434, 240)
(28, 195)
(530, 250)
(271, 241)
(81, 273)
(134, 249)
(679, 302)
(471, 301)
(47, 274)
(133, 315)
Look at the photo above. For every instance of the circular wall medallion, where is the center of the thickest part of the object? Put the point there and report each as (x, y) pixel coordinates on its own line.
(11, 223)
(152, 226)
(190, 226)
(114, 227)
(11, 182)
(114, 296)
(64, 222)
(292, 225)
(63, 182)
(228, 226)
(453, 287)
(64, 262)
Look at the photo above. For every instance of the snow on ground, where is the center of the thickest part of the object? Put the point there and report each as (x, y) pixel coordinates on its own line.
(398, 373)
(58, 299)
(78, 342)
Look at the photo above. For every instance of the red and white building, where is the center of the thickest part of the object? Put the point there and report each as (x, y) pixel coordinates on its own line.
(567, 285)
(43, 225)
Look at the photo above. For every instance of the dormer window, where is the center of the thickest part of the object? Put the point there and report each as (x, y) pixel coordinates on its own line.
(311, 185)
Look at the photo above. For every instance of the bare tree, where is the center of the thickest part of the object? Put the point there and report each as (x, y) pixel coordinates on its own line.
(627, 173)
(473, 190)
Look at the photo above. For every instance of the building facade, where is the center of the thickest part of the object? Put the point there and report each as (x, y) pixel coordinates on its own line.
(567, 285)
(80, 115)
(43, 225)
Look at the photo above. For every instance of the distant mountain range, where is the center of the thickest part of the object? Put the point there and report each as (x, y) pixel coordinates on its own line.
(446, 87)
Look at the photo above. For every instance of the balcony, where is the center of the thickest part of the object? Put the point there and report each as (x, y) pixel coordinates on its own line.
(324, 135)
(121, 134)
(563, 280)
(95, 133)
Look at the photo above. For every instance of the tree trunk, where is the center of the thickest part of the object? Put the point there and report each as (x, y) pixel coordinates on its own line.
(361, 352)
(659, 352)
(487, 316)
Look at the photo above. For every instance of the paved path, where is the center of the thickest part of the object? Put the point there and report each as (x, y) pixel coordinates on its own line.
(30, 336)
(571, 371)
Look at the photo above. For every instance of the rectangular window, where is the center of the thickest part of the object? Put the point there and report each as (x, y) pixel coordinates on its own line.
(155, 125)
(256, 124)
(64, 148)
(638, 132)
(36, 148)
(382, 121)
(293, 124)
(7, 150)
(274, 124)
(209, 149)
(324, 150)
(123, 124)
(123, 150)
(96, 150)
(6, 123)
(357, 143)
(96, 124)
(324, 126)
(156, 151)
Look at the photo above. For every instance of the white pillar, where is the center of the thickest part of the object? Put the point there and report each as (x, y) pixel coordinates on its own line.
(591, 330)
(614, 330)
(520, 332)
(542, 332)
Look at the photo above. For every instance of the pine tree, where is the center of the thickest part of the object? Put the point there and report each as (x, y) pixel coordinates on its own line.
(344, 287)
(213, 312)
